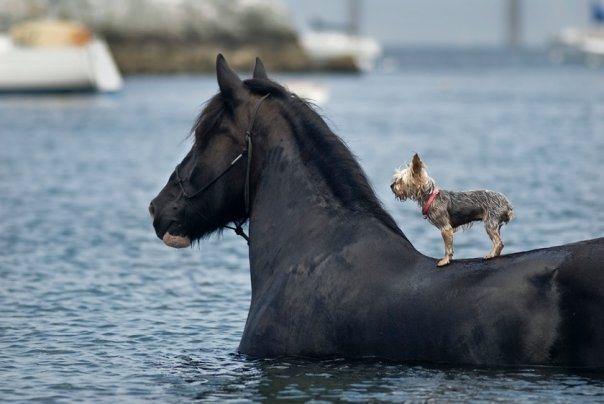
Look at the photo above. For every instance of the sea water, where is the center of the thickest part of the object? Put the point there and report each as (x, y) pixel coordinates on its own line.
(94, 308)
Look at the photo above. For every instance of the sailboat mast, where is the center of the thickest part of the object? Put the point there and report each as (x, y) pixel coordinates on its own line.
(513, 23)
(354, 17)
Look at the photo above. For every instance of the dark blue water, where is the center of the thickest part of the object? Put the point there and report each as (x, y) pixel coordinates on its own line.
(93, 307)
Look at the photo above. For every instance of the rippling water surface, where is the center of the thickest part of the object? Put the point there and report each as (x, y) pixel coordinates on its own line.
(93, 307)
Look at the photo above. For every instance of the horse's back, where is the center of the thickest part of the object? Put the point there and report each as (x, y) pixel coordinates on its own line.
(541, 307)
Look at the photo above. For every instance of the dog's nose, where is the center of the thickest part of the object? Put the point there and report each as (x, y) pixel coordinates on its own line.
(392, 186)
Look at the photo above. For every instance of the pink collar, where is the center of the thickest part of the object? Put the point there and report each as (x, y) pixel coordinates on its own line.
(426, 207)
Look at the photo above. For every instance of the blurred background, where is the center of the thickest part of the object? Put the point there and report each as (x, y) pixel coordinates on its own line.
(157, 36)
(533, 23)
(97, 99)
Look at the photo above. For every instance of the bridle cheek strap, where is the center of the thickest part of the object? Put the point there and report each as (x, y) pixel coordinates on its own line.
(246, 189)
(248, 170)
(238, 229)
(247, 151)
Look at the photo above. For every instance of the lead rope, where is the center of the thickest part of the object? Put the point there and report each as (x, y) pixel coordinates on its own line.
(246, 190)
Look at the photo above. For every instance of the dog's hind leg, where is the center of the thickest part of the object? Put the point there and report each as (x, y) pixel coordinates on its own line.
(493, 232)
(447, 233)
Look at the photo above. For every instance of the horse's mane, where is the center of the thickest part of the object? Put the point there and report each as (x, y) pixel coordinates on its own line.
(329, 153)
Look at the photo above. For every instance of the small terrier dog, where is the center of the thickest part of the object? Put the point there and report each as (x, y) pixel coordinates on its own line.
(447, 210)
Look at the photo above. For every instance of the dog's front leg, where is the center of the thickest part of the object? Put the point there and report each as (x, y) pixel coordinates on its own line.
(447, 233)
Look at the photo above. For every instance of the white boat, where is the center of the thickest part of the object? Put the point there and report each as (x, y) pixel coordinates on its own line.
(327, 46)
(42, 63)
(583, 46)
(578, 46)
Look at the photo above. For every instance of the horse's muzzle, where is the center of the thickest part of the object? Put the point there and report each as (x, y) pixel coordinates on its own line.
(170, 240)
(176, 241)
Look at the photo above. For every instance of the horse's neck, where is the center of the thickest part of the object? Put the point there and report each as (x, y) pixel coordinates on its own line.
(289, 195)
(295, 215)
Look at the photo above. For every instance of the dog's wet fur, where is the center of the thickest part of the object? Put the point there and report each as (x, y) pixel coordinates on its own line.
(449, 210)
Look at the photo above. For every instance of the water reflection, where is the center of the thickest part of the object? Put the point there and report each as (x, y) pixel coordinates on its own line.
(237, 377)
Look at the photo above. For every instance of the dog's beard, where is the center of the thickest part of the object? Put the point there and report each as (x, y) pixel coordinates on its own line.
(400, 194)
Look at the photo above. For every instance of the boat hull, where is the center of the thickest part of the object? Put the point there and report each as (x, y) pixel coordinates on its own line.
(71, 68)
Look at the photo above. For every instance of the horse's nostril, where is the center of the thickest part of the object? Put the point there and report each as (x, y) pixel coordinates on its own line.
(152, 210)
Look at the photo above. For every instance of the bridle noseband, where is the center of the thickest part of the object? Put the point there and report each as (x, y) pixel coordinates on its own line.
(246, 152)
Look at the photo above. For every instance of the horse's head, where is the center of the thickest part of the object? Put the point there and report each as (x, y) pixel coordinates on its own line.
(209, 187)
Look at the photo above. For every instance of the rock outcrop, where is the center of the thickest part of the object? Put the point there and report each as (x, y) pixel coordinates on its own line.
(159, 36)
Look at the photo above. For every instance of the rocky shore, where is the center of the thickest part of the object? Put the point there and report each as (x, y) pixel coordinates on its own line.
(169, 36)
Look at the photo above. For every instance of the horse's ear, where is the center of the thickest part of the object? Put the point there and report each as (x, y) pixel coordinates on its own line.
(416, 164)
(259, 70)
(228, 81)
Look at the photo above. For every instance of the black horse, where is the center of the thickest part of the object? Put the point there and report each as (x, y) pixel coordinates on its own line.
(331, 272)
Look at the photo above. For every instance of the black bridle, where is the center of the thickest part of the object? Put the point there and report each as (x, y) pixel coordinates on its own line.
(246, 152)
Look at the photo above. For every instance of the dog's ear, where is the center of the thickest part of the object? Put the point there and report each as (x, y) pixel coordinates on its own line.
(416, 165)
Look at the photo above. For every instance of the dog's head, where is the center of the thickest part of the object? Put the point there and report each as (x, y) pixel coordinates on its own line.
(412, 182)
